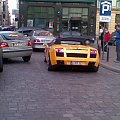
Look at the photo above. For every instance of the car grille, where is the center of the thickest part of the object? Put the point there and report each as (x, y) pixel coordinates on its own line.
(76, 55)
(60, 54)
(92, 55)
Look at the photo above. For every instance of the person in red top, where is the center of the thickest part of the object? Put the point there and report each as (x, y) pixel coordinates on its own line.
(106, 39)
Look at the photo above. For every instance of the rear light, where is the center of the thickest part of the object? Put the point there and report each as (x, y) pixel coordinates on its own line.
(60, 50)
(4, 44)
(36, 40)
(93, 51)
(29, 43)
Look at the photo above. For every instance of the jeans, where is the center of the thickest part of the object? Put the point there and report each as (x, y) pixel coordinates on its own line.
(104, 45)
(118, 52)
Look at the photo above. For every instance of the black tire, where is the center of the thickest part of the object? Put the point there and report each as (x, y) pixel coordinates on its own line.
(5, 59)
(26, 58)
(1, 65)
(95, 69)
(50, 67)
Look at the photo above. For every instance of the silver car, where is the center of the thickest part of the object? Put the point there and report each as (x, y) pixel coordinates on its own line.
(15, 44)
(40, 37)
(1, 58)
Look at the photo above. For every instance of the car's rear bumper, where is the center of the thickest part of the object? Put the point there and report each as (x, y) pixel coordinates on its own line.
(74, 61)
(38, 46)
(17, 53)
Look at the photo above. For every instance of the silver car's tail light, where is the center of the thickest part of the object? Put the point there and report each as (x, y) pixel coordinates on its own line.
(4, 44)
(29, 43)
(36, 40)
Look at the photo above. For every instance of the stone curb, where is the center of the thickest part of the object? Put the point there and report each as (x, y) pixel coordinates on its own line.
(109, 67)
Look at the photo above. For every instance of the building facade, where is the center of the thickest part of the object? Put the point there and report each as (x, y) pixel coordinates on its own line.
(0, 12)
(115, 16)
(59, 15)
(4, 13)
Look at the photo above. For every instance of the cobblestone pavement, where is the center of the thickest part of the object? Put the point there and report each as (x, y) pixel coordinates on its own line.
(110, 64)
(29, 92)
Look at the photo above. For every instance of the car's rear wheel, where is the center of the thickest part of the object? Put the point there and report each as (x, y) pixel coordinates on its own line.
(26, 58)
(1, 65)
(95, 69)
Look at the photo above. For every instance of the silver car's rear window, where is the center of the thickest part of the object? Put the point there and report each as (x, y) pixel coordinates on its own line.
(13, 36)
(43, 33)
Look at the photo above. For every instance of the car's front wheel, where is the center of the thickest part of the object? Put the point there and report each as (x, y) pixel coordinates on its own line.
(26, 58)
(1, 65)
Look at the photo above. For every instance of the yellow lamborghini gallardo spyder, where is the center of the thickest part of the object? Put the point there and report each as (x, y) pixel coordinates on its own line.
(71, 52)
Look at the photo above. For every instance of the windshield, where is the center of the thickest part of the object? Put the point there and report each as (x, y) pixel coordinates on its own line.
(13, 36)
(43, 33)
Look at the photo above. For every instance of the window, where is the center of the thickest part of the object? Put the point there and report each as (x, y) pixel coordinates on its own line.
(118, 4)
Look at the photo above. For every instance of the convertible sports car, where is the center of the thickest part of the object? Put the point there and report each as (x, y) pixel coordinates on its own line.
(71, 52)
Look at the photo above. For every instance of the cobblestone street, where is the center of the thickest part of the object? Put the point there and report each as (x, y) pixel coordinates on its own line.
(29, 92)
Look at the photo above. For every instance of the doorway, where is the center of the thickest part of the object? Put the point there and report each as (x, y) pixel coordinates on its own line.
(75, 25)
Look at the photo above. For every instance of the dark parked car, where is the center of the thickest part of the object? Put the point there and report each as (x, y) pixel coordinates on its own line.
(1, 58)
(86, 39)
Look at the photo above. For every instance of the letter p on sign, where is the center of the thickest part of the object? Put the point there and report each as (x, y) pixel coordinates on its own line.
(106, 6)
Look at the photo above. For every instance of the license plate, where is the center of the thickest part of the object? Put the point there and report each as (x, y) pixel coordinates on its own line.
(39, 46)
(17, 44)
(75, 63)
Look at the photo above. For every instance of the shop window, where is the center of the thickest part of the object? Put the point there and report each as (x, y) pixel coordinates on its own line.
(118, 4)
(65, 25)
(75, 15)
(117, 18)
(65, 11)
(75, 10)
(43, 17)
(41, 12)
(85, 11)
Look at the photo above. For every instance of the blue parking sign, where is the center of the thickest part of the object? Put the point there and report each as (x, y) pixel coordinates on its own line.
(105, 10)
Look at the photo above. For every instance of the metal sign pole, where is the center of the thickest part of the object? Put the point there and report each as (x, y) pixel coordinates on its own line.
(103, 45)
(105, 15)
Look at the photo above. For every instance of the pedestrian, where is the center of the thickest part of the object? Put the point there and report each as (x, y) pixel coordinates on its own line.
(117, 41)
(106, 38)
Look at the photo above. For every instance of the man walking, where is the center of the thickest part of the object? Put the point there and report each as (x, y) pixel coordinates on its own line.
(117, 40)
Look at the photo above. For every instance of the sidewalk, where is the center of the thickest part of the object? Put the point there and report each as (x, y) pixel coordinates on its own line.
(111, 65)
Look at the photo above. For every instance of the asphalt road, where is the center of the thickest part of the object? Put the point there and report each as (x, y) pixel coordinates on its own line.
(29, 92)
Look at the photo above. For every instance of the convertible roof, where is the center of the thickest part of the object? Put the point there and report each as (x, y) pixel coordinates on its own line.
(58, 40)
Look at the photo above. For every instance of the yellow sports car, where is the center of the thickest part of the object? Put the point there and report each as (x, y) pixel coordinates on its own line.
(71, 52)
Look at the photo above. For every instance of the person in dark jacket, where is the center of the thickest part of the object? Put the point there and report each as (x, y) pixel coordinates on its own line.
(117, 41)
